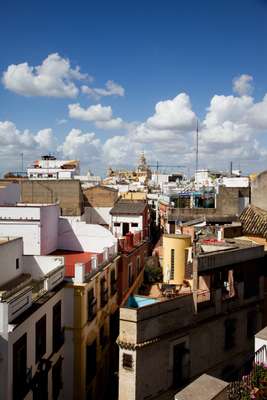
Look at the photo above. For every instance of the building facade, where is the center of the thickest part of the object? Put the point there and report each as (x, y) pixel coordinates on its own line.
(206, 327)
(31, 324)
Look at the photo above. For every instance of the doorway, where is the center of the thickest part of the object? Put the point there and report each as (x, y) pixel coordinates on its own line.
(180, 365)
(125, 228)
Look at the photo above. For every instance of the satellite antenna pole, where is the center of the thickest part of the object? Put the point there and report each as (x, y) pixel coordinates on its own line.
(21, 154)
(197, 147)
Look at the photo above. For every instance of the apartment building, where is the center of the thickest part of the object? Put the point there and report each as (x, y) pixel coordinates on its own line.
(31, 324)
(203, 323)
(51, 168)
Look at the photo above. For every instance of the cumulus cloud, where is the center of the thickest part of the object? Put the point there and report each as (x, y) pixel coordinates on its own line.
(84, 146)
(111, 89)
(102, 116)
(175, 114)
(242, 84)
(120, 150)
(53, 78)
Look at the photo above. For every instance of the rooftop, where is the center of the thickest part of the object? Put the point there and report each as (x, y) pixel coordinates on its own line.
(254, 221)
(126, 207)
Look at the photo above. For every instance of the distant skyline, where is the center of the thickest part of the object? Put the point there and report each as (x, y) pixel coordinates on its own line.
(103, 81)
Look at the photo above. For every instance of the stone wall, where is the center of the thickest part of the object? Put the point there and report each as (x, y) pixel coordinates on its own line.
(66, 192)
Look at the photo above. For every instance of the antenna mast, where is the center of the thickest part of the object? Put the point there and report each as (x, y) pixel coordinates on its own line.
(197, 147)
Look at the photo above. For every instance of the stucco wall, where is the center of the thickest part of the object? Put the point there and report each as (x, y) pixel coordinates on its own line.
(259, 191)
(9, 252)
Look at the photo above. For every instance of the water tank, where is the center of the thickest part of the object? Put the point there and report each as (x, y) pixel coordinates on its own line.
(174, 257)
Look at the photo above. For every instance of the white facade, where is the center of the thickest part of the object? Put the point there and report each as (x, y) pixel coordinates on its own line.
(54, 169)
(202, 178)
(37, 224)
(135, 224)
(11, 259)
(20, 359)
(9, 193)
(241, 181)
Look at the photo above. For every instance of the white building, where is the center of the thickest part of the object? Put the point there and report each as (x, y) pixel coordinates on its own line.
(51, 168)
(129, 216)
(31, 321)
(37, 224)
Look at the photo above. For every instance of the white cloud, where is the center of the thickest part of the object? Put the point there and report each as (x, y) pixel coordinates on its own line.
(227, 108)
(62, 121)
(84, 146)
(111, 89)
(53, 78)
(100, 115)
(242, 84)
(93, 113)
(120, 150)
(13, 142)
(175, 114)
(45, 139)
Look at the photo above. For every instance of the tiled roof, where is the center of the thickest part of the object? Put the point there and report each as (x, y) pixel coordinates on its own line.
(254, 221)
(128, 207)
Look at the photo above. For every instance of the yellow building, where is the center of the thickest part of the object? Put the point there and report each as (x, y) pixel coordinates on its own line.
(175, 249)
(91, 332)
(133, 195)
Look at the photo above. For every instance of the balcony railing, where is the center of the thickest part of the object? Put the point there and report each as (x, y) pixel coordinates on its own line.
(95, 263)
(252, 378)
(131, 240)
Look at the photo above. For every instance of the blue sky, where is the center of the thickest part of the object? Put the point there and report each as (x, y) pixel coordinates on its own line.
(155, 51)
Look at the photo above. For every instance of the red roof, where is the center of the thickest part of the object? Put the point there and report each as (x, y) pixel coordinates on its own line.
(73, 257)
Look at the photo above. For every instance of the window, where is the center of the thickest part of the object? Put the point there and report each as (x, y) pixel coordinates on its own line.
(130, 275)
(117, 224)
(229, 335)
(134, 225)
(127, 361)
(57, 379)
(91, 305)
(17, 263)
(20, 368)
(103, 292)
(251, 324)
(40, 338)
(172, 264)
(113, 282)
(58, 336)
(90, 362)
